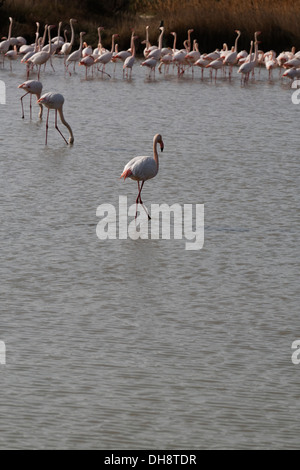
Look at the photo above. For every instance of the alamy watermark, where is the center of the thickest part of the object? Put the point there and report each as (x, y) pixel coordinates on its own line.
(296, 354)
(166, 222)
(295, 94)
(2, 92)
(2, 353)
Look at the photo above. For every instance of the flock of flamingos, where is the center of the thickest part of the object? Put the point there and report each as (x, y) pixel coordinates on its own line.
(156, 56)
(141, 168)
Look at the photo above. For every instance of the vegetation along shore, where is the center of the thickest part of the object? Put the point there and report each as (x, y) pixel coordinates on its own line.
(213, 21)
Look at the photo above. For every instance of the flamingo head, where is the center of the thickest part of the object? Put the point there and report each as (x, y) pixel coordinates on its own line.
(161, 143)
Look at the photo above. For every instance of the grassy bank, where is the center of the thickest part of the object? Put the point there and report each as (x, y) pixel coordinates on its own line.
(213, 21)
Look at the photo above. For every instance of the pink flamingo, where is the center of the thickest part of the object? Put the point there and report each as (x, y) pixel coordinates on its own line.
(55, 101)
(41, 57)
(33, 87)
(129, 61)
(142, 169)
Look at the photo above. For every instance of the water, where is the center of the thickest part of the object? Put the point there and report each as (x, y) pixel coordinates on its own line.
(123, 344)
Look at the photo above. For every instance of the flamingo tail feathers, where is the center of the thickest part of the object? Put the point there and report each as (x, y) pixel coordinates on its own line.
(126, 174)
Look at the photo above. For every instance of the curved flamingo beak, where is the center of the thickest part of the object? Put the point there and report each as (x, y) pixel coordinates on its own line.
(162, 146)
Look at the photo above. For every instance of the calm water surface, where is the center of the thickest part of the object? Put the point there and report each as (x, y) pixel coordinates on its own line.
(141, 344)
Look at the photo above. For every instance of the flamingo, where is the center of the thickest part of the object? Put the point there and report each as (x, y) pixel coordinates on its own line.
(12, 55)
(55, 101)
(76, 55)
(67, 46)
(4, 45)
(107, 56)
(41, 57)
(179, 57)
(156, 53)
(98, 49)
(270, 62)
(87, 50)
(142, 169)
(151, 64)
(292, 73)
(87, 61)
(193, 56)
(33, 87)
(202, 63)
(247, 67)
(216, 65)
(129, 61)
(252, 60)
(231, 58)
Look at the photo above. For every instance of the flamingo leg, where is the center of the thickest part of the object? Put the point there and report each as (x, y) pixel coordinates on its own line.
(22, 104)
(56, 127)
(47, 126)
(30, 106)
(139, 200)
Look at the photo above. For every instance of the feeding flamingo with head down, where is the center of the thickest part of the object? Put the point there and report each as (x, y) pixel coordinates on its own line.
(55, 101)
(33, 87)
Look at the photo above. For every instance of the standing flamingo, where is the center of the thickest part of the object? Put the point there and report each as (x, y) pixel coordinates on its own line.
(107, 56)
(41, 57)
(5, 44)
(76, 55)
(67, 46)
(231, 57)
(129, 61)
(247, 67)
(33, 87)
(143, 169)
(55, 101)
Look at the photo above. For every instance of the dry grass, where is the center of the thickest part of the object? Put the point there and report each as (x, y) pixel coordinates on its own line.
(213, 21)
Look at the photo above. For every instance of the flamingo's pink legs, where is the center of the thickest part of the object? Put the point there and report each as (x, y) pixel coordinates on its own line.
(139, 200)
(56, 126)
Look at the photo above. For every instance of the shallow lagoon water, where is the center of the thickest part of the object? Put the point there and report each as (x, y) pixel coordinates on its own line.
(142, 344)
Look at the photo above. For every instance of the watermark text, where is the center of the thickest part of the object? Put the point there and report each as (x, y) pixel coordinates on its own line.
(2, 353)
(296, 354)
(167, 222)
(2, 92)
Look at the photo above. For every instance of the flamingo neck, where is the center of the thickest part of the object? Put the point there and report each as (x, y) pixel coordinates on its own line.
(58, 33)
(236, 42)
(72, 33)
(62, 118)
(81, 41)
(49, 39)
(155, 153)
(112, 43)
(132, 46)
(174, 43)
(160, 39)
(256, 51)
(44, 36)
(10, 28)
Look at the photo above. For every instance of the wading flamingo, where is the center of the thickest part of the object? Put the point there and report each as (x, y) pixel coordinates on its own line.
(129, 61)
(67, 46)
(33, 87)
(55, 101)
(231, 58)
(105, 58)
(143, 169)
(41, 57)
(76, 55)
(5, 44)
